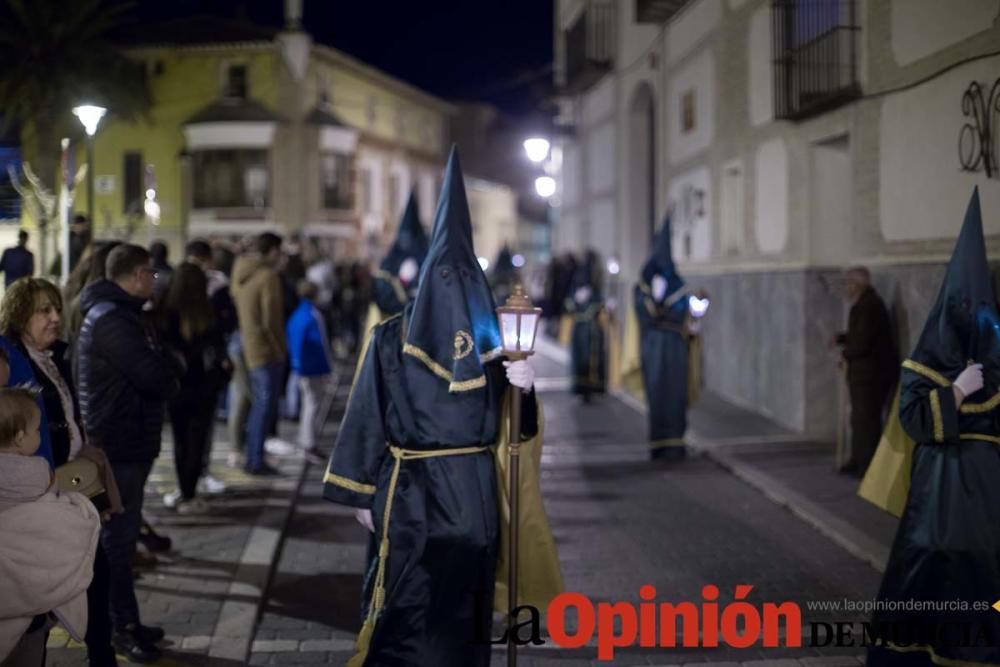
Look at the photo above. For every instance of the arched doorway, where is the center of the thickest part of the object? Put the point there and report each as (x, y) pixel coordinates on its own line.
(641, 189)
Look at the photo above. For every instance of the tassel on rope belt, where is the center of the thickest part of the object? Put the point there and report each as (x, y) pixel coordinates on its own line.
(378, 590)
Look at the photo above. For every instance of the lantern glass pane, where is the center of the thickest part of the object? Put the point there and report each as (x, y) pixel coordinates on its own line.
(508, 329)
(529, 322)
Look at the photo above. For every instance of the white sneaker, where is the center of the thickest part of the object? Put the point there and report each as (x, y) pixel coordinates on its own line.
(172, 499)
(211, 486)
(193, 506)
(278, 447)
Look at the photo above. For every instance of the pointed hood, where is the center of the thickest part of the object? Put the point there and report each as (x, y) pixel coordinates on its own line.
(451, 326)
(963, 325)
(588, 274)
(503, 267)
(503, 276)
(661, 261)
(411, 240)
(389, 292)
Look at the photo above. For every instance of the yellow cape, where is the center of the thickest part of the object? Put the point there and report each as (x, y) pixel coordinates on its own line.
(887, 481)
(539, 576)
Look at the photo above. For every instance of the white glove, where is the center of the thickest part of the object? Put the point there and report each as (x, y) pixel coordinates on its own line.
(659, 287)
(970, 380)
(408, 270)
(582, 294)
(520, 374)
(364, 517)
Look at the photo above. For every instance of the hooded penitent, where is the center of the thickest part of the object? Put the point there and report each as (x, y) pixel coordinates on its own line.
(503, 275)
(415, 447)
(948, 543)
(411, 243)
(661, 262)
(452, 327)
(664, 349)
(589, 335)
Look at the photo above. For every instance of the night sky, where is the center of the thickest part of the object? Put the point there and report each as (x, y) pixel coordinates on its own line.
(497, 52)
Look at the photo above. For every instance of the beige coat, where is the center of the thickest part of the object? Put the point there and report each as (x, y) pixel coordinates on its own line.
(47, 547)
(256, 290)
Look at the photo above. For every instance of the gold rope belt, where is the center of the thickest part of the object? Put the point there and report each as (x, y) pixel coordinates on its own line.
(378, 590)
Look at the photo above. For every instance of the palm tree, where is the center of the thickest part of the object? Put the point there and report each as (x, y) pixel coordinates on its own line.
(57, 54)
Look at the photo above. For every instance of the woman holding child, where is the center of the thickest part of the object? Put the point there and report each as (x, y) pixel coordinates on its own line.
(31, 321)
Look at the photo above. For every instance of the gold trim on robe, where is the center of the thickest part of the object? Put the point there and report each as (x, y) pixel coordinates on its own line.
(348, 484)
(928, 373)
(442, 372)
(936, 415)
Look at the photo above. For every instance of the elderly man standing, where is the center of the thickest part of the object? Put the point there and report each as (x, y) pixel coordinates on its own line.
(872, 365)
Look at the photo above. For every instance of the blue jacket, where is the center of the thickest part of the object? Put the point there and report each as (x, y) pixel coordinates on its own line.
(21, 374)
(307, 342)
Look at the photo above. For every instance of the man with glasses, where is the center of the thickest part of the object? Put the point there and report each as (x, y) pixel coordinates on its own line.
(125, 378)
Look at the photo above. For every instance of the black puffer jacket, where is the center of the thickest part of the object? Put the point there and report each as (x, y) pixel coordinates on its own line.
(125, 376)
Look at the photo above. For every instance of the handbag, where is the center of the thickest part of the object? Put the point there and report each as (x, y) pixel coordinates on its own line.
(83, 476)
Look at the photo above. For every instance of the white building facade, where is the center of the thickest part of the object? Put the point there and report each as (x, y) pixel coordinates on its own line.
(791, 139)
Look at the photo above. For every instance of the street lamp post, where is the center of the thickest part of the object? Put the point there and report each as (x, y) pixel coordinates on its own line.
(90, 116)
(518, 325)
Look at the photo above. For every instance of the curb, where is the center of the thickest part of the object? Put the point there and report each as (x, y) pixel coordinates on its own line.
(845, 535)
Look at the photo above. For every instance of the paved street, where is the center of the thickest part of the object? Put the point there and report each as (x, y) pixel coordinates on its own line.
(619, 521)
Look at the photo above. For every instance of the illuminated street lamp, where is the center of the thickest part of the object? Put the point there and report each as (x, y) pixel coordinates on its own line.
(90, 116)
(537, 149)
(518, 319)
(545, 186)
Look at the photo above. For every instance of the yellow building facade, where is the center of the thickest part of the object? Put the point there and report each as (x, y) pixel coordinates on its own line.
(283, 135)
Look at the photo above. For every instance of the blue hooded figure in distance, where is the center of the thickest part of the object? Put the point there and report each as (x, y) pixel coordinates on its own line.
(947, 546)
(414, 455)
(661, 304)
(503, 276)
(395, 282)
(589, 333)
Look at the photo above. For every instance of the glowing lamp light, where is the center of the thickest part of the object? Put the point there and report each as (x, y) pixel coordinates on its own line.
(537, 148)
(483, 263)
(614, 268)
(545, 186)
(90, 116)
(517, 261)
(518, 319)
(698, 306)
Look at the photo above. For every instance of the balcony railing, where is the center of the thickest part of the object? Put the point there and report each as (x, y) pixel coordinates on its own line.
(590, 45)
(657, 11)
(815, 56)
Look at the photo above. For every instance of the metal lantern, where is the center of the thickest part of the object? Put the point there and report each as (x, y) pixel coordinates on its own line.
(518, 324)
(518, 319)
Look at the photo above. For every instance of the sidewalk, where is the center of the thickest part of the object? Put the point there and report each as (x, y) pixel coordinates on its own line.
(207, 591)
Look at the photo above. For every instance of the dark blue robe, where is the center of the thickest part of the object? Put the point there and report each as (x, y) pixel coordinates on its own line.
(664, 353)
(443, 532)
(588, 347)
